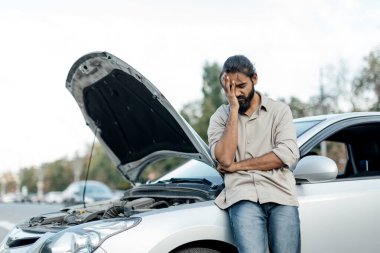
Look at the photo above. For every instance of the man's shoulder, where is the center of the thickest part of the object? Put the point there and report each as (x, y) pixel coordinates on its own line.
(275, 105)
(222, 110)
(221, 115)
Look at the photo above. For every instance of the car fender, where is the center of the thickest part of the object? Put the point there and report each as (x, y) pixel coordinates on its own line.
(166, 229)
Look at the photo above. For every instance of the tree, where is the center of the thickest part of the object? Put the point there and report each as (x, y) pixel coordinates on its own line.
(334, 90)
(334, 93)
(198, 113)
(102, 169)
(10, 182)
(57, 175)
(28, 178)
(299, 108)
(367, 84)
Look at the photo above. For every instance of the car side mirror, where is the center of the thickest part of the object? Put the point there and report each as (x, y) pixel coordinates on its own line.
(315, 169)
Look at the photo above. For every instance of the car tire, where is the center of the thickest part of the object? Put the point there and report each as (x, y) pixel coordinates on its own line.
(197, 250)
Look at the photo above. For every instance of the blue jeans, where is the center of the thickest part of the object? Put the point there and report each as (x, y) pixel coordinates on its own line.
(258, 228)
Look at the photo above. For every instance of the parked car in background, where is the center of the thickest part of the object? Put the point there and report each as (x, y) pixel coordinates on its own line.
(31, 198)
(53, 197)
(94, 191)
(11, 197)
(337, 176)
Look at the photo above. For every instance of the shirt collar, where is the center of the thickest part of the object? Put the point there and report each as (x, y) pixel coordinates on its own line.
(264, 102)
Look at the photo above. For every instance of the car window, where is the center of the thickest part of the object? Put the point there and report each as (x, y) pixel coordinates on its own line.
(95, 188)
(355, 150)
(303, 126)
(167, 169)
(90, 189)
(194, 169)
(334, 150)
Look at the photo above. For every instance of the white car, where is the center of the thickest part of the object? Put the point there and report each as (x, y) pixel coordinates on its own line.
(93, 190)
(53, 197)
(338, 177)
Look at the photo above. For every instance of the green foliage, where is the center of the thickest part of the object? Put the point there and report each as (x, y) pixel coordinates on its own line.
(338, 93)
(367, 84)
(9, 181)
(198, 113)
(212, 92)
(10, 186)
(29, 179)
(299, 108)
(57, 175)
(102, 169)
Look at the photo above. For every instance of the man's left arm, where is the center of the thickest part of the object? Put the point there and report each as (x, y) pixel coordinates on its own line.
(284, 154)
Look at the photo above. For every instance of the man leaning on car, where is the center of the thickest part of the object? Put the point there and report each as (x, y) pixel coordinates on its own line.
(253, 140)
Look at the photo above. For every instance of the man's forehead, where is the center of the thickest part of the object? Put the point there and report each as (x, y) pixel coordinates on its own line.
(237, 76)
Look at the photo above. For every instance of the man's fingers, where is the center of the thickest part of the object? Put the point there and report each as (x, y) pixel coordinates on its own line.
(227, 83)
(220, 169)
(223, 79)
(233, 86)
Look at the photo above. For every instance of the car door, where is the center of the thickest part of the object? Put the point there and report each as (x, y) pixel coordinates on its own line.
(343, 215)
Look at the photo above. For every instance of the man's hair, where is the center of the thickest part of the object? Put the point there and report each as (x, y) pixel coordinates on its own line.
(238, 63)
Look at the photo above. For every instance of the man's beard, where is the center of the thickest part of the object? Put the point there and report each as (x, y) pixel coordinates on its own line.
(245, 102)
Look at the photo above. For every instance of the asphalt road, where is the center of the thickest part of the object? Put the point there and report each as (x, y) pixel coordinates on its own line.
(11, 214)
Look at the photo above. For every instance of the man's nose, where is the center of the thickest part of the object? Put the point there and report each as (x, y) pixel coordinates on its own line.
(237, 92)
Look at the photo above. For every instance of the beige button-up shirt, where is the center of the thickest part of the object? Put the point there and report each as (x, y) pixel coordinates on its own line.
(270, 128)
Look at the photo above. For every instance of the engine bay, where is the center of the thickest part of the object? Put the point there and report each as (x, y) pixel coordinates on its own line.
(136, 200)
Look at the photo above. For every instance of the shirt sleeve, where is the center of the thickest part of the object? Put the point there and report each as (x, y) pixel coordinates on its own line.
(285, 138)
(216, 128)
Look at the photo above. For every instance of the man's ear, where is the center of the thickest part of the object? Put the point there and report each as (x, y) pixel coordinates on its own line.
(254, 79)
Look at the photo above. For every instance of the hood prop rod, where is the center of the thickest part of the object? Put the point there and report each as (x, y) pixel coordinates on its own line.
(88, 168)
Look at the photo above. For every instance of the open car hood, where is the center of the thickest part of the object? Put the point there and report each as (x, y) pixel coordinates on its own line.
(129, 115)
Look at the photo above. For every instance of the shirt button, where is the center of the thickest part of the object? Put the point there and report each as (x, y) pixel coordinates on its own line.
(248, 141)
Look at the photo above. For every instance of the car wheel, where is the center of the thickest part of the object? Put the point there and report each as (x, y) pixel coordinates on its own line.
(197, 250)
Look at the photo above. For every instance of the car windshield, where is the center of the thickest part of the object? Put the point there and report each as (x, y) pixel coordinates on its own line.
(96, 189)
(197, 170)
(194, 169)
(91, 188)
(303, 126)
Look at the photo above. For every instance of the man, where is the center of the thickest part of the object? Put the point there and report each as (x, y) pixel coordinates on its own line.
(254, 142)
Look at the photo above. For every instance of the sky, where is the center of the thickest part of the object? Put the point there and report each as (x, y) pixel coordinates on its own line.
(169, 42)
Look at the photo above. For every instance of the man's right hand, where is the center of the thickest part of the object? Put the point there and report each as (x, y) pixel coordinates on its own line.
(229, 89)
(225, 148)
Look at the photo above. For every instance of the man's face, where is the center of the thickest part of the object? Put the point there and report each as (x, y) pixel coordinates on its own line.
(244, 89)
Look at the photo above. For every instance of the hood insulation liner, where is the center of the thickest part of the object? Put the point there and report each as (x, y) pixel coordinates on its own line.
(131, 120)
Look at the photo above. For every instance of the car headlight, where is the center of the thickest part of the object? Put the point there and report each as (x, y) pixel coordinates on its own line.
(2, 244)
(86, 237)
